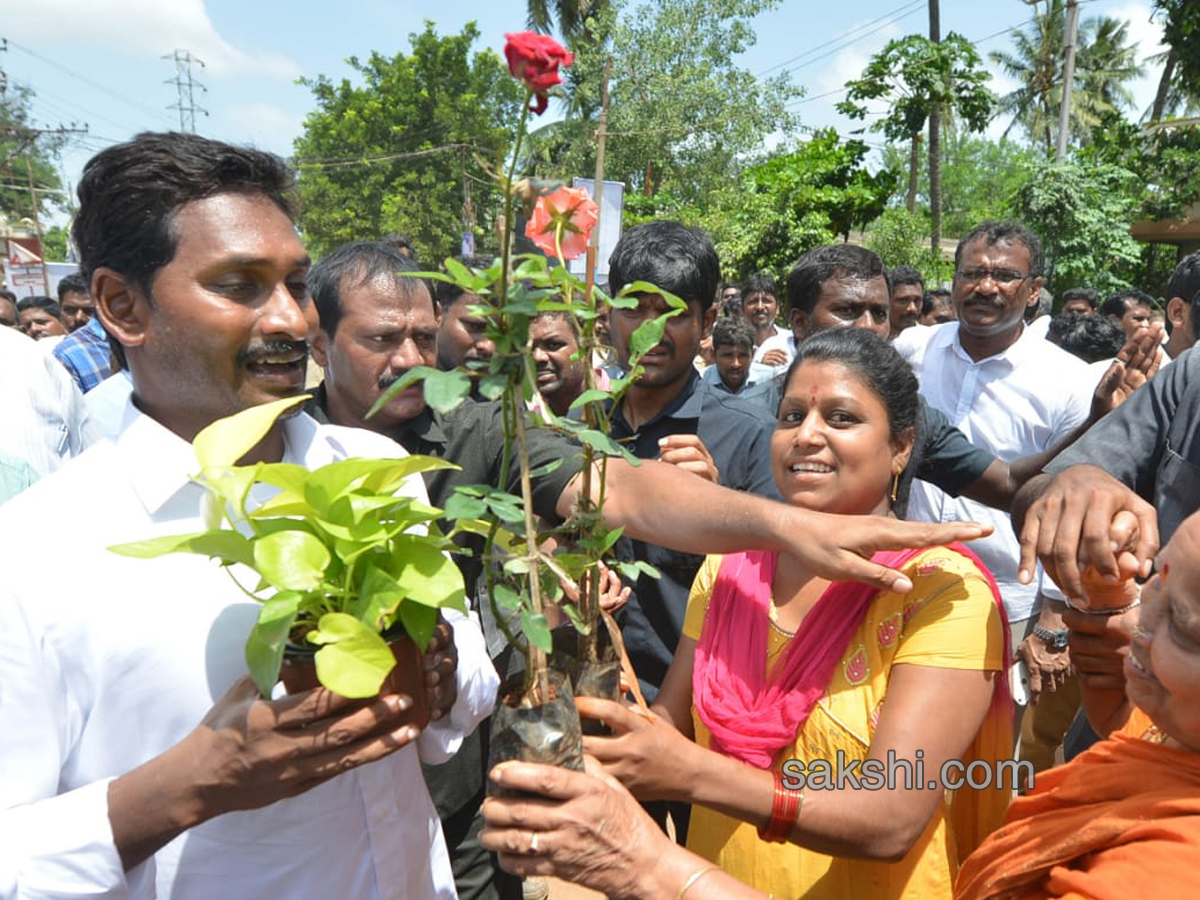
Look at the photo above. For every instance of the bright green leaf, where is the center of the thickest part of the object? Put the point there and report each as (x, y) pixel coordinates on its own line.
(537, 630)
(291, 559)
(227, 440)
(353, 660)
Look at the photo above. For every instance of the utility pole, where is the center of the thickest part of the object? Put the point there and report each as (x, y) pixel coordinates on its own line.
(1064, 114)
(935, 146)
(598, 184)
(185, 86)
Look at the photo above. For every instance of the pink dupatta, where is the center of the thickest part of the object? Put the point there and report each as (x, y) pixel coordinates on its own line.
(752, 717)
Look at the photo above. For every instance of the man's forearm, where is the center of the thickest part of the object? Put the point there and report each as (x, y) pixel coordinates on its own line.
(1025, 497)
(151, 805)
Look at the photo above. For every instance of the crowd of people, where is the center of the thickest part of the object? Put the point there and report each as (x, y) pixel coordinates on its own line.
(882, 515)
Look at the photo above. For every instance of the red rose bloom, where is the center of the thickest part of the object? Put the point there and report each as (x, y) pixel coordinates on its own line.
(534, 59)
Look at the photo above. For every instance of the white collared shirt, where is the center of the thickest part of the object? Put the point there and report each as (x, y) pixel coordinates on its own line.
(781, 340)
(1022, 401)
(107, 661)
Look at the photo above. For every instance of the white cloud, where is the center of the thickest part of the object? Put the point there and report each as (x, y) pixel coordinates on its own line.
(139, 28)
(264, 125)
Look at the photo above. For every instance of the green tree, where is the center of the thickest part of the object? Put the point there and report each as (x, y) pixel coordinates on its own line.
(795, 201)
(26, 152)
(901, 239)
(916, 76)
(683, 116)
(1082, 212)
(980, 177)
(409, 150)
(1104, 65)
(570, 16)
(1181, 31)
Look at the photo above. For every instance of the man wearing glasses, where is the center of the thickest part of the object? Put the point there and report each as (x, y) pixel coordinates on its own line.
(1009, 390)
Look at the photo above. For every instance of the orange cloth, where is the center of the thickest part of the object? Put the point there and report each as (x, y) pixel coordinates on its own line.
(1121, 820)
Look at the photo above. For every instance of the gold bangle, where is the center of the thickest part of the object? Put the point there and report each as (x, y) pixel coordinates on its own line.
(693, 878)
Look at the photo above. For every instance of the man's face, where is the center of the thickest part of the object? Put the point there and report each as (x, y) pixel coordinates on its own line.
(77, 309)
(942, 311)
(387, 327)
(8, 314)
(846, 302)
(1136, 318)
(669, 363)
(462, 337)
(761, 309)
(559, 377)
(733, 364)
(906, 306)
(1078, 305)
(38, 323)
(223, 327)
(991, 289)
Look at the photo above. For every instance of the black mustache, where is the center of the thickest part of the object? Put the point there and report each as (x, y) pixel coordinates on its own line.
(257, 352)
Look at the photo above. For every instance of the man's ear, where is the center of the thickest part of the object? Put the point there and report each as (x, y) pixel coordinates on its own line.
(1035, 292)
(709, 318)
(1176, 307)
(319, 348)
(123, 308)
(798, 320)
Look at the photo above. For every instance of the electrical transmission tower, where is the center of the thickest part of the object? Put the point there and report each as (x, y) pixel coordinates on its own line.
(185, 85)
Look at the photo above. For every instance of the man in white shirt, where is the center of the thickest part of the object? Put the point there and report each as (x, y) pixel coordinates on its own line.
(139, 760)
(1010, 391)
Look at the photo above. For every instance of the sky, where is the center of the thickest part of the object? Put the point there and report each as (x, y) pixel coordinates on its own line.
(99, 65)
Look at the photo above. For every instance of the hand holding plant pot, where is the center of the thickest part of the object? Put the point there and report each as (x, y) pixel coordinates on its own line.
(345, 557)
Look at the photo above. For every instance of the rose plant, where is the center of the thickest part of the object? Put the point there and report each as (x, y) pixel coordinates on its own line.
(524, 579)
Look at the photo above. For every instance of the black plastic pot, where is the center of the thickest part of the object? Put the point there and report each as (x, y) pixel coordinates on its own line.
(535, 729)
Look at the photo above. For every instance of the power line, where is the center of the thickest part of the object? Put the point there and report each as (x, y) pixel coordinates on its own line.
(885, 19)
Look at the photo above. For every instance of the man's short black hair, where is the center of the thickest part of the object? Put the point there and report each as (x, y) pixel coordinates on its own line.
(130, 192)
(1185, 284)
(1117, 304)
(72, 284)
(992, 233)
(1091, 338)
(729, 331)
(827, 262)
(934, 297)
(8, 295)
(905, 275)
(38, 301)
(446, 293)
(1090, 296)
(357, 263)
(760, 281)
(674, 257)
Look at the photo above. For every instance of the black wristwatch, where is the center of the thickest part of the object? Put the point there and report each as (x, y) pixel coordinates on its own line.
(1055, 640)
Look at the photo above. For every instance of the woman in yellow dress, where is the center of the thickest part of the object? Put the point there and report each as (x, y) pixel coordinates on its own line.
(778, 666)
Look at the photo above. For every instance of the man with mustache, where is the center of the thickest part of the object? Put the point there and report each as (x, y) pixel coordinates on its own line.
(139, 758)
(1010, 392)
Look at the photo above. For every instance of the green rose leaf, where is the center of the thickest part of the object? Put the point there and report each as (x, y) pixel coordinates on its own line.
(445, 390)
(537, 630)
(291, 559)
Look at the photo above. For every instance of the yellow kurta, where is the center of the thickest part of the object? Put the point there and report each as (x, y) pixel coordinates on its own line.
(949, 621)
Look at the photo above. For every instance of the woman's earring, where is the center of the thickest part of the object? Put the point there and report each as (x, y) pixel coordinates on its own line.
(895, 486)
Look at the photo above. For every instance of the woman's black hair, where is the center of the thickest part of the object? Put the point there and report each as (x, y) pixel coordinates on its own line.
(884, 371)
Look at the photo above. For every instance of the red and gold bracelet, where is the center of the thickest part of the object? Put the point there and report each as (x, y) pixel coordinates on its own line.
(785, 810)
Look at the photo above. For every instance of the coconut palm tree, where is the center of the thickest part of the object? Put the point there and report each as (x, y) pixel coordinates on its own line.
(1105, 63)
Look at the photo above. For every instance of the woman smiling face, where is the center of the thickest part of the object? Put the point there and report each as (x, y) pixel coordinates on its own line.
(1162, 670)
(832, 450)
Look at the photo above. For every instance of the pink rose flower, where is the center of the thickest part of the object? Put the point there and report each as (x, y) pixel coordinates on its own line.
(568, 214)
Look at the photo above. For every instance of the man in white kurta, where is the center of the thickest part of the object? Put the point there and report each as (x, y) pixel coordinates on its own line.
(137, 758)
(109, 660)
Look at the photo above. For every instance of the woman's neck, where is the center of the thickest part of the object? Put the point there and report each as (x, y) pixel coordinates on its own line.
(795, 591)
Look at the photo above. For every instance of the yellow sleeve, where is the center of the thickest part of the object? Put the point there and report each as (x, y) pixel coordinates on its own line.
(698, 597)
(950, 618)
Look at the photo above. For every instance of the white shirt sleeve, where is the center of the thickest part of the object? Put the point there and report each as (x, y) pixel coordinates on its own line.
(478, 684)
(61, 847)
